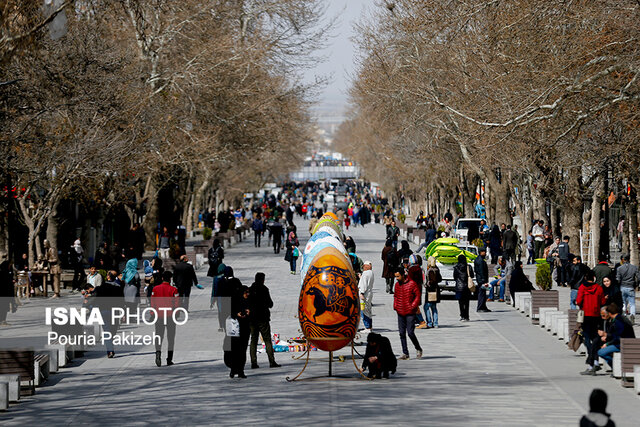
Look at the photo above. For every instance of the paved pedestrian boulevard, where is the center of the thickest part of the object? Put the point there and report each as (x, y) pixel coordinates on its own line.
(497, 369)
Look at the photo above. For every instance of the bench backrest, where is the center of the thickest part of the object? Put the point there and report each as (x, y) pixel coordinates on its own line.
(630, 353)
(543, 299)
(18, 362)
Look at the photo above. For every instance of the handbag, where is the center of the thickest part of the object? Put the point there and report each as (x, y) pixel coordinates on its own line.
(232, 327)
(296, 252)
(470, 284)
(432, 297)
(575, 340)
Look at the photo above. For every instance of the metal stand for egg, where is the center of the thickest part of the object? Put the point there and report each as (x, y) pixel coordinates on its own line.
(330, 376)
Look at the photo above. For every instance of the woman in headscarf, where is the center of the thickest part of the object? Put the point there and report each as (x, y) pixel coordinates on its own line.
(391, 262)
(292, 247)
(131, 280)
(236, 357)
(611, 290)
(405, 251)
(461, 273)
(350, 244)
(432, 294)
(519, 282)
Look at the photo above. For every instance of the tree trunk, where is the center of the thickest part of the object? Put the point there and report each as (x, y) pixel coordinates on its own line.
(52, 227)
(150, 220)
(632, 210)
(573, 207)
(596, 205)
(625, 230)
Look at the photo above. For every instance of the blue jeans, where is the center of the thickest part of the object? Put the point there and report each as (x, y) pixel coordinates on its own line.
(431, 311)
(607, 353)
(494, 282)
(572, 301)
(366, 321)
(406, 326)
(292, 263)
(629, 299)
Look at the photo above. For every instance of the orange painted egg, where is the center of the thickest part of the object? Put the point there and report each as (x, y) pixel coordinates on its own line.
(328, 309)
(331, 215)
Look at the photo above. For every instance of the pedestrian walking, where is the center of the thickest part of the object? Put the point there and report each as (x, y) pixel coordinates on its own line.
(109, 295)
(131, 287)
(365, 289)
(165, 299)
(406, 301)
(292, 253)
(77, 260)
(538, 239)
(590, 298)
(258, 228)
(510, 242)
(482, 278)
(628, 277)
(184, 277)
(462, 271)
(236, 357)
(432, 294)
(260, 316)
(392, 234)
(7, 291)
(391, 263)
(215, 255)
(164, 244)
(578, 271)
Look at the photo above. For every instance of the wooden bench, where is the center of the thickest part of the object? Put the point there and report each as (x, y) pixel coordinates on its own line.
(20, 362)
(630, 357)
(542, 299)
(40, 368)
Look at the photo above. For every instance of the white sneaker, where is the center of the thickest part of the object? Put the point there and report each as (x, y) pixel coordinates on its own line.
(419, 355)
(365, 331)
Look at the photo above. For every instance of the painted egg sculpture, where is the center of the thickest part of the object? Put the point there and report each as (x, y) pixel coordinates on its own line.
(327, 229)
(326, 222)
(328, 308)
(308, 257)
(314, 248)
(331, 215)
(324, 236)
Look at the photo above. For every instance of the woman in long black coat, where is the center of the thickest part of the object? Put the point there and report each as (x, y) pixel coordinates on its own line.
(236, 358)
(461, 273)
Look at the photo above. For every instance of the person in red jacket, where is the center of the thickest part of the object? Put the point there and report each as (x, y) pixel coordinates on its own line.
(165, 299)
(590, 298)
(406, 300)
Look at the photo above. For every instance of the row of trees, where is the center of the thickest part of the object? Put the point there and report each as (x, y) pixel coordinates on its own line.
(202, 98)
(536, 99)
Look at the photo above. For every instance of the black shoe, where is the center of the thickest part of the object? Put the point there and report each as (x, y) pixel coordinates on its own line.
(231, 374)
(254, 366)
(242, 375)
(274, 365)
(158, 359)
(169, 362)
(597, 368)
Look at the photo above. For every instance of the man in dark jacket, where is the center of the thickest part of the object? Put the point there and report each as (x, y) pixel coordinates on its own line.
(563, 256)
(578, 270)
(620, 328)
(259, 318)
(107, 296)
(379, 357)
(215, 257)
(482, 278)
(6, 291)
(184, 277)
(509, 243)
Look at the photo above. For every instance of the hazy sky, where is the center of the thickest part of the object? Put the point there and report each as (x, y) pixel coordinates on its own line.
(339, 61)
